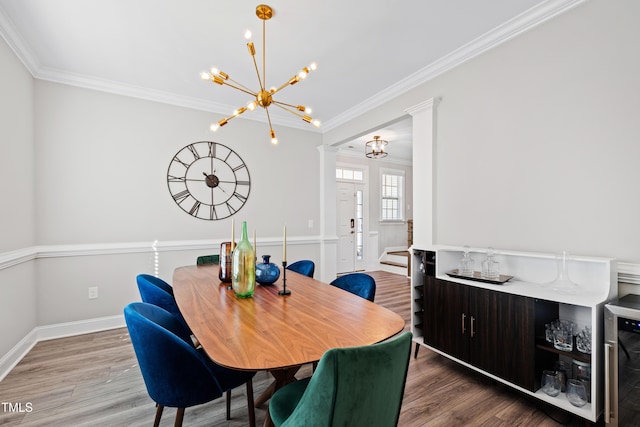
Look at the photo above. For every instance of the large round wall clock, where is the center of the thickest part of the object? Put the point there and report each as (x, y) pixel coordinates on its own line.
(208, 180)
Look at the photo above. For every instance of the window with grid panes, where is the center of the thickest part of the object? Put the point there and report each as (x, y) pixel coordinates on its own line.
(391, 196)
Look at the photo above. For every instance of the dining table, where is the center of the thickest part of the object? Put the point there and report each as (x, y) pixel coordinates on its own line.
(274, 332)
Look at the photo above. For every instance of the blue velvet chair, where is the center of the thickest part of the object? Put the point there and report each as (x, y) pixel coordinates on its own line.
(357, 283)
(357, 386)
(305, 266)
(174, 372)
(158, 292)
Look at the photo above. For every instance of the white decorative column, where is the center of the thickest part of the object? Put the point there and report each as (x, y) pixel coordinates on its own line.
(328, 231)
(424, 173)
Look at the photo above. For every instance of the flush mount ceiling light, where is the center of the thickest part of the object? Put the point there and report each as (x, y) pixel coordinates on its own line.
(374, 149)
(263, 97)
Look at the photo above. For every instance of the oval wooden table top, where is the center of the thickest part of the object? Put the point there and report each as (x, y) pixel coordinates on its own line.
(269, 331)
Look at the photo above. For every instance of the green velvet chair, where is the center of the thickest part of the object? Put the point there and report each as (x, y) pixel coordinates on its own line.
(357, 386)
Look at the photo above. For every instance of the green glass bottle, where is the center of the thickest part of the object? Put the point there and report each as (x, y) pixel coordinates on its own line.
(243, 277)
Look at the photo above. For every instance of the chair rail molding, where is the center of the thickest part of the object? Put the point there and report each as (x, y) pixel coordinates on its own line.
(629, 273)
(11, 258)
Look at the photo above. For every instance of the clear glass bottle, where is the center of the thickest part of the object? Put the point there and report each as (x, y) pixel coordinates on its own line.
(466, 263)
(243, 277)
(490, 267)
(563, 283)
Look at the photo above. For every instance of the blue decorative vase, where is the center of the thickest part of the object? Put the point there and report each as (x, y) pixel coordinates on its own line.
(267, 272)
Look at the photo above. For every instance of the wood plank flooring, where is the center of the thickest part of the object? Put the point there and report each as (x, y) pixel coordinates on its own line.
(93, 380)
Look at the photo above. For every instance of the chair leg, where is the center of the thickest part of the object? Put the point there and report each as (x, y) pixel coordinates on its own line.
(179, 417)
(159, 409)
(250, 404)
(228, 404)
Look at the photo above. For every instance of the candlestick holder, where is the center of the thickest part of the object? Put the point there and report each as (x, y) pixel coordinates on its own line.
(284, 291)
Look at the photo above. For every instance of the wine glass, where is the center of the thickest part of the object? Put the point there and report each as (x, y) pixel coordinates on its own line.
(576, 393)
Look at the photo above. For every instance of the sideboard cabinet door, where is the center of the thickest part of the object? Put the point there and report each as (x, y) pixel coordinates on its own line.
(503, 335)
(491, 330)
(446, 307)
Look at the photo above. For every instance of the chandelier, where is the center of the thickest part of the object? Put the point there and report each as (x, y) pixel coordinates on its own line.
(374, 149)
(263, 97)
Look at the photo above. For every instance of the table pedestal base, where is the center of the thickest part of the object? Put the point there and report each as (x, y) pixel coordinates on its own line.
(282, 377)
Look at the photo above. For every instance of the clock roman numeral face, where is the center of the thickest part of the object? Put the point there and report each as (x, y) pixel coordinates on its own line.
(208, 180)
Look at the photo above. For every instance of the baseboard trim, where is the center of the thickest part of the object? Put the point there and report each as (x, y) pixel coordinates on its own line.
(17, 353)
(49, 332)
(69, 329)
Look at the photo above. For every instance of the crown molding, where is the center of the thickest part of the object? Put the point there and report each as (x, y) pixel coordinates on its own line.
(17, 43)
(510, 29)
(495, 37)
(147, 94)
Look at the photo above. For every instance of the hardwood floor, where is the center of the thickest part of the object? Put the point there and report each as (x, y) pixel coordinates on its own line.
(93, 380)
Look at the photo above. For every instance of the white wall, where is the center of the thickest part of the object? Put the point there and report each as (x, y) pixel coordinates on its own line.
(101, 168)
(537, 140)
(17, 225)
(101, 165)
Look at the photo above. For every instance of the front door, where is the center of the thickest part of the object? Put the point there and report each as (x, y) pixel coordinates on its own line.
(350, 211)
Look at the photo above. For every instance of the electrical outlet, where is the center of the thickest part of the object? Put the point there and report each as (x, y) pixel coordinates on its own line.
(310, 223)
(93, 292)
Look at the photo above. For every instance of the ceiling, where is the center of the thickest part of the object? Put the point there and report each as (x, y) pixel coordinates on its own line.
(155, 49)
